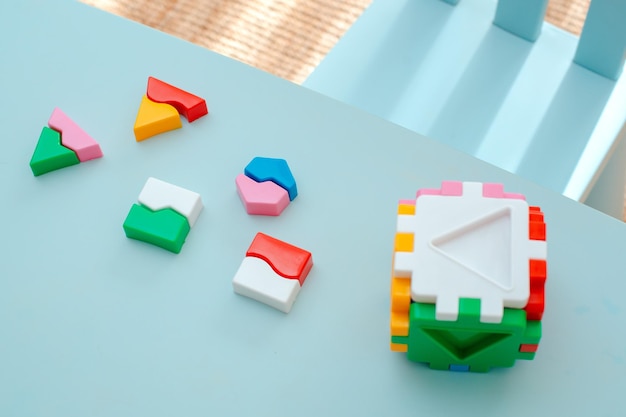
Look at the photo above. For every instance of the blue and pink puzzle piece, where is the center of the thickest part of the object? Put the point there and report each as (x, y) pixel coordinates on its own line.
(266, 187)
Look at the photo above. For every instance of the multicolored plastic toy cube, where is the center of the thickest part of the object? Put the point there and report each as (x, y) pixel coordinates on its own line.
(469, 268)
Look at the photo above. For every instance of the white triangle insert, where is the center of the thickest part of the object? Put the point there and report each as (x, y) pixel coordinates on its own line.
(482, 246)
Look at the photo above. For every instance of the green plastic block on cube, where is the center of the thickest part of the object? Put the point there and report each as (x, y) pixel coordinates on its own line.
(164, 228)
(50, 155)
(467, 341)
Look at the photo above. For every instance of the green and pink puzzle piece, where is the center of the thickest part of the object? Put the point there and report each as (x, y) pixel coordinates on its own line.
(61, 144)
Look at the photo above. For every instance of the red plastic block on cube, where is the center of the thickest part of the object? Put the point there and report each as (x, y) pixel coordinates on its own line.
(528, 348)
(286, 260)
(187, 104)
(536, 301)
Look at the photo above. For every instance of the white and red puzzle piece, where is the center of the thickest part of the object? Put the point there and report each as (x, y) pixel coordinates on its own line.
(478, 249)
(272, 272)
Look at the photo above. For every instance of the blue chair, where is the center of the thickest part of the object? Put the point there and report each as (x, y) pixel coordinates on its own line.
(492, 79)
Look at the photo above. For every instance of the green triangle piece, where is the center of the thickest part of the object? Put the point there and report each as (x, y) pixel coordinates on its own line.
(165, 228)
(50, 154)
(467, 341)
(464, 344)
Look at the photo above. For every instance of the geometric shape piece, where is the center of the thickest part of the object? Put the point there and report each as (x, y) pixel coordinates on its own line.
(403, 265)
(537, 230)
(483, 245)
(532, 334)
(406, 223)
(256, 279)
(400, 306)
(155, 118)
(535, 214)
(463, 343)
(74, 137)
(187, 104)
(528, 348)
(158, 195)
(536, 301)
(164, 228)
(452, 188)
(466, 341)
(261, 198)
(521, 18)
(398, 347)
(276, 170)
(602, 44)
(467, 246)
(400, 295)
(286, 260)
(404, 242)
(459, 368)
(449, 188)
(496, 190)
(399, 324)
(406, 207)
(49, 154)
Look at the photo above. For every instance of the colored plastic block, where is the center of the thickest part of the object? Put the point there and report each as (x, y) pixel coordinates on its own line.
(50, 154)
(536, 302)
(261, 198)
(450, 188)
(398, 347)
(602, 44)
(155, 118)
(164, 228)
(158, 195)
(256, 279)
(468, 277)
(187, 104)
(528, 348)
(468, 246)
(272, 169)
(522, 18)
(272, 272)
(287, 260)
(165, 216)
(74, 137)
(466, 341)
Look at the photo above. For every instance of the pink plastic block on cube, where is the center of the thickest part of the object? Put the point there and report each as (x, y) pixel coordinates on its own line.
(494, 190)
(449, 188)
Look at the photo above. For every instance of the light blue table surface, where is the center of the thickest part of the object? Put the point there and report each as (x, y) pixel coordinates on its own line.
(94, 324)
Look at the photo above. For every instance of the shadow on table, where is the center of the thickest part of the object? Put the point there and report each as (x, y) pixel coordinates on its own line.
(566, 127)
(394, 65)
(478, 95)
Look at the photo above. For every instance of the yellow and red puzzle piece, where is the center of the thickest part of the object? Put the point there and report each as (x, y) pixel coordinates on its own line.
(161, 107)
